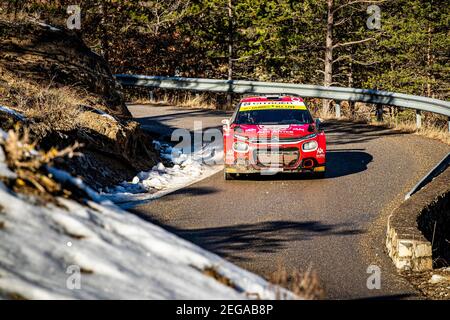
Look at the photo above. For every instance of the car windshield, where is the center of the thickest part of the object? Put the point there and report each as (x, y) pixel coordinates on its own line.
(274, 116)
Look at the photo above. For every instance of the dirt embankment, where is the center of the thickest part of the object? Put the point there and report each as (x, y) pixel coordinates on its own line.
(66, 93)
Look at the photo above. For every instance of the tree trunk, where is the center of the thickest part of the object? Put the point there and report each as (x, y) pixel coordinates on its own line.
(429, 63)
(328, 75)
(104, 31)
(351, 104)
(230, 52)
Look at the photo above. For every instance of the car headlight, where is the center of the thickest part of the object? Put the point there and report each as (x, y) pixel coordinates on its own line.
(310, 146)
(240, 147)
(239, 137)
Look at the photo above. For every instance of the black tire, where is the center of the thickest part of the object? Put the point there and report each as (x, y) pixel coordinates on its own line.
(319, 175)
(228, 176)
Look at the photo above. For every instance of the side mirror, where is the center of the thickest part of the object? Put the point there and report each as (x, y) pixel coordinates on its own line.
(226, 122)
(318, 124)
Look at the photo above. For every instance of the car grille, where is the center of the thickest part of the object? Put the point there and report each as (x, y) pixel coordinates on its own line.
(286, 157)
(272, 140)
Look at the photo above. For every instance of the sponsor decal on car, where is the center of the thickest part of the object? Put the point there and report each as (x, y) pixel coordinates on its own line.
(279, 129)
(320, 153)
(286, 105)
(273, 127)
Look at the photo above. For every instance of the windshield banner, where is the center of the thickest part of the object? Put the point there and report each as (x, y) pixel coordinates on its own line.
(283, 105)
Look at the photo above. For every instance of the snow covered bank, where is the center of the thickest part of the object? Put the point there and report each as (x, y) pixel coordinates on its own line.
(66, 250)
(161, 180)
(119, 256)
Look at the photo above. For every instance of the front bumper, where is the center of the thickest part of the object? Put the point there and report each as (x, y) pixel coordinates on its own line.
(283, 159)
(250, 169)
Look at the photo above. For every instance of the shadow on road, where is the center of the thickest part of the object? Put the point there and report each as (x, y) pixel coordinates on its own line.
(264, 237)
(339, 163)
(193, 191)
(340, 132)
(345, 162)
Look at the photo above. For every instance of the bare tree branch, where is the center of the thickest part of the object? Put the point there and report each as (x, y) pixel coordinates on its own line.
(356, 2)
(338, 45)
(248, 57)
(365, 63)
(342, 21)
(349, 57)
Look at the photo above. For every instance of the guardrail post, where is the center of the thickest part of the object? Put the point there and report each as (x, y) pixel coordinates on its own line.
(337, 106)
(379, 113)
(151, 95)
(418, 119)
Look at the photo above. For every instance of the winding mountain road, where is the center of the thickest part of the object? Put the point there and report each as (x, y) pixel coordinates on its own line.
(334, 225)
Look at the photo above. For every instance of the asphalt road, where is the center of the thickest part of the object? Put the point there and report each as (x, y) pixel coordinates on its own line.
(334, 226)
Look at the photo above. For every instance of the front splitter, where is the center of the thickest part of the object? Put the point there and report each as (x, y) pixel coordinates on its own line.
(245, 170)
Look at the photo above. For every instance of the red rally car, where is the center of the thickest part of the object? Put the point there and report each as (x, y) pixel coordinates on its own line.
(270, 134)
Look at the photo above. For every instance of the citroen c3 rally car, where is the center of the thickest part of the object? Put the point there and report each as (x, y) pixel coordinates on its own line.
(271, 134)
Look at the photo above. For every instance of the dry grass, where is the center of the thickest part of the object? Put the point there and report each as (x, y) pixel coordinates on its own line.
(10, 295)
(184, 100)
(27, 11)
(16, 16)
(304, 284)
(195, 101)
(429, 131)
(21, 152)
(30, 164)
(325, 114)
(212, 272)
(433, 126)
(48, 108)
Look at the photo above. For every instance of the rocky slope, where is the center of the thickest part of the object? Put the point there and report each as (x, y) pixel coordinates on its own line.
(63, 92)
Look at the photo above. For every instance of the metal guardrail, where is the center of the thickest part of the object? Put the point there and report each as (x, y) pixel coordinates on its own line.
(310, 91)
(433, 173)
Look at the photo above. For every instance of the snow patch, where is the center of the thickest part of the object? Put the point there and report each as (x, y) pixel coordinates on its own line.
(12, 112)
(51, 28)
(4, 170)
(104, 114)
(119, 255)
(161, 180)
(64, 177)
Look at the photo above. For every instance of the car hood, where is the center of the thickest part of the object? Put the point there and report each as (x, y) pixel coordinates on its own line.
(288, 130)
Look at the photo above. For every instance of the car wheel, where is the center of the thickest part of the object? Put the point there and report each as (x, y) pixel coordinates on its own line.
(319, 175)
(228, 176)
